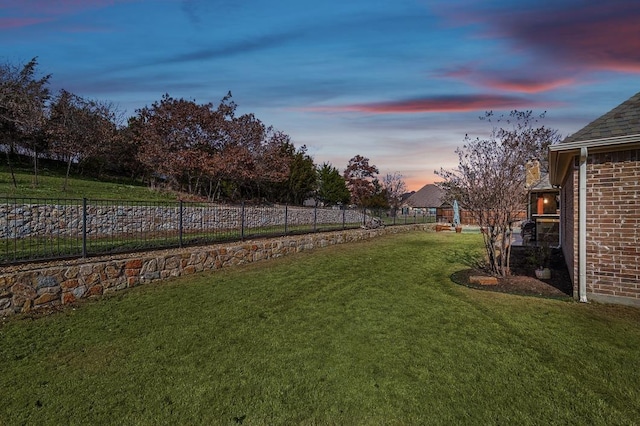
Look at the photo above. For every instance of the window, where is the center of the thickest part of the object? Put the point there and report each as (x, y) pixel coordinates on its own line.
(544, 203)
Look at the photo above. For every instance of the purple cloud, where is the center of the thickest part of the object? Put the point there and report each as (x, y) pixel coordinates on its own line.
(436, 104)
(583, 35)
(8, 23)
(31, 12)
(524, 80)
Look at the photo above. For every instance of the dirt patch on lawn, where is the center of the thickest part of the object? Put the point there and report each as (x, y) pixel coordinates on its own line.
(523, 280)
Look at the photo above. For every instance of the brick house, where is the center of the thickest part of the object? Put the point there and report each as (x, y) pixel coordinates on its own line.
(598, 169)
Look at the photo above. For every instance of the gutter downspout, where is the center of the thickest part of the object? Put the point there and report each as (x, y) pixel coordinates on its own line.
(582, 227)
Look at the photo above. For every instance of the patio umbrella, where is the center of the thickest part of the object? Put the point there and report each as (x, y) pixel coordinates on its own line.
(456, 213)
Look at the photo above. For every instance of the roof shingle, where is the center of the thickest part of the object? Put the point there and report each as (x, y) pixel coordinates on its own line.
(621, 121)
(429, 196)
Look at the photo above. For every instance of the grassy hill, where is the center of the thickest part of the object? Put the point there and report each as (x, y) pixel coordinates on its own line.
(51, 182)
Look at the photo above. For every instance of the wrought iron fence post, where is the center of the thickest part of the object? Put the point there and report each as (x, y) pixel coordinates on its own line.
(286, 211)
(242, 222)
(180, 225)
(84, 227)
(344, 217)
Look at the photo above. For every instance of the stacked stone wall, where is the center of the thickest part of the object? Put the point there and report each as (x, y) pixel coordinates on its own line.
(34, 220)
(37, 286)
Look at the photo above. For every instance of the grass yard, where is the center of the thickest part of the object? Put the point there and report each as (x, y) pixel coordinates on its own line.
(366, 333)
(51, 183)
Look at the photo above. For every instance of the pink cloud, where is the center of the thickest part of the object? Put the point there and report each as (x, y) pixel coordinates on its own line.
(514, 80)
(435, 104)
(462, 71)
(593, 35)
(526, 85)
(565, 35)
(598, 35)
(56, 7)
(8, 23)
(32, 12)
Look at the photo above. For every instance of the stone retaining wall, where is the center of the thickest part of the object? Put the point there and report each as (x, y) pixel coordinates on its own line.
(36, 286)
(32, 220)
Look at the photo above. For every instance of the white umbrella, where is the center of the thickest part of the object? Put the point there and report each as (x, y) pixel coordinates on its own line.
(456, 213)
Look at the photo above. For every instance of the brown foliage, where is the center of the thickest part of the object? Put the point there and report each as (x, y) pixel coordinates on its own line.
(197, 148)
(359, 176)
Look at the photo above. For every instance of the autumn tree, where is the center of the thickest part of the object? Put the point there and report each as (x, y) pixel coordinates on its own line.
(332, 187)
(266, 156)
(252, 157)
(175, 140)
(359, 176)
(210, 151)
(23, 98)
(395, 188)
(489, 181)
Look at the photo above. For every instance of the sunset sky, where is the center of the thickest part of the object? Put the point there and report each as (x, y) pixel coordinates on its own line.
(398, 81)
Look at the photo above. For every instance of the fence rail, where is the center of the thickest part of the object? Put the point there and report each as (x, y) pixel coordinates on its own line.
(47, 229)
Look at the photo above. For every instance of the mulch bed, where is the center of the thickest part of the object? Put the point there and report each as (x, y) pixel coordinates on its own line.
(522, 280)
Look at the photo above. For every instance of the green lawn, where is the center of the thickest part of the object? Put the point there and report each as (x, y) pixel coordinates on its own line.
(366, 333)
(51, 183)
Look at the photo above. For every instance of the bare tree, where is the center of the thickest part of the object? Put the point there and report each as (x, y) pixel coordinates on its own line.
(490, 179)
(78, 128)
(394, 187)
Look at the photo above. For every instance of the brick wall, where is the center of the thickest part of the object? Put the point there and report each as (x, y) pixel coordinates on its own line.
(37, 286)
(613, 226)
(466, 217)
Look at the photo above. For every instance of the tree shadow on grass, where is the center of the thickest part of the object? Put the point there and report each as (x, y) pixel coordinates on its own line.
(467, 258)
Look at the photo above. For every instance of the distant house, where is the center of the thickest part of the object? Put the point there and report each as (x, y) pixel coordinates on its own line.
(598, 169)
(429, 200)
(424, 201)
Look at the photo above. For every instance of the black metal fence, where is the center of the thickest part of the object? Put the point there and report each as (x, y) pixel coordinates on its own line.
(46, 229)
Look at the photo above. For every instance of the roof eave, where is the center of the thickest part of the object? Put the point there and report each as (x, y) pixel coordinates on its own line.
(561, 155)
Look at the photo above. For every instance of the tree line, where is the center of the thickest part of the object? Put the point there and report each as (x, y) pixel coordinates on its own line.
(205, 150)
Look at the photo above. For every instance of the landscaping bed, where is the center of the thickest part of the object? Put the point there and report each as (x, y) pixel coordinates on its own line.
(523, 280)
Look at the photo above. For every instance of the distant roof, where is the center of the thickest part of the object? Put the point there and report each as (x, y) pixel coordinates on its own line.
(621, 121)
(428, 196)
